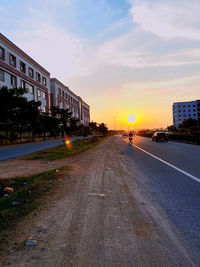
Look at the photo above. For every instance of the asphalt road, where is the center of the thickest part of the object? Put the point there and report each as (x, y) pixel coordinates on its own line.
(172, 174)
(14, 151)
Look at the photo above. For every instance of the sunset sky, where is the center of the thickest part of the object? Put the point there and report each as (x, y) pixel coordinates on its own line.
(122, 57)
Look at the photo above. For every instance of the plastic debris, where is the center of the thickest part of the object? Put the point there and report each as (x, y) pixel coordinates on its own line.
(9, 189)
(96, 194)
(31, 243)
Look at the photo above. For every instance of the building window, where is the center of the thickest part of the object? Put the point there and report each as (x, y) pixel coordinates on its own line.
(194, 110)
(44, 81)
(59, 91)
(22, 67)
(12, 60)
(184, 110)
(63, 93)
(31, 72)
(38, 77)
(2, 53)
(13, 81)
(23, 84)
(2, 76)
(43, 95)
(38, 93)
(194, 106)
(184, 106)
(31, 89)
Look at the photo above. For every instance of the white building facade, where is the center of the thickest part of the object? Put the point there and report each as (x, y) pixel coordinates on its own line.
(63, 97)
(185, 110)
(17, 69)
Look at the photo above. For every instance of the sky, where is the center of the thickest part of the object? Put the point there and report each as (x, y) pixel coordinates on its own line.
(121, 56)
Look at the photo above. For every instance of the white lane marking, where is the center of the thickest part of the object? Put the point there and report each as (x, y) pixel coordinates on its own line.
(169, 164)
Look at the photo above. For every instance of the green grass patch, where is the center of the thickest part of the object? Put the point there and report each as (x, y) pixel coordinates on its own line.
(26, 196)
(60, 152)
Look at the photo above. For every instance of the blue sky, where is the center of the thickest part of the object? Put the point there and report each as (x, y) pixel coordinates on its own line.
(122, 57)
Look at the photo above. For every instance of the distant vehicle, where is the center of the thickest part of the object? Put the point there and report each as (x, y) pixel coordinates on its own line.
(160, 136)
(125, 135)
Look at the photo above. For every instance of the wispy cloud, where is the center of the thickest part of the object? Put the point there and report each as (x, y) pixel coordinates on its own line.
(168, 19)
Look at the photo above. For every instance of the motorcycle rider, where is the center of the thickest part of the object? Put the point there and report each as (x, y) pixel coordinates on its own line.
(130, 136)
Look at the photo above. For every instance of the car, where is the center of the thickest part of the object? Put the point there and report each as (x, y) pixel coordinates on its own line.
(125, 135)
(160, 136)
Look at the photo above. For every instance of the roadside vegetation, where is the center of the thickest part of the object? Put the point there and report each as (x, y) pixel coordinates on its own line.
(188, 132)
(22, 121)
(21, 195)
(26, 195)
(63, 151)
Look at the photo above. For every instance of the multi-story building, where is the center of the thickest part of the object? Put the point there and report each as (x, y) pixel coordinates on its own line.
(84, 112)
(17, 69)
(185, 110)
(63, 97)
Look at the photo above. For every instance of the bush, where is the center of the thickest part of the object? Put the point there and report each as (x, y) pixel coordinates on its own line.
(193, 138)
(13, 137)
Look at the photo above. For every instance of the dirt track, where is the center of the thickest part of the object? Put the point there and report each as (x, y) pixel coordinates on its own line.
(123, 226)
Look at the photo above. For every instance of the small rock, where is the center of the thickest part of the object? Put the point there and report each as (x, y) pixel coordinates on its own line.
(57, 171)
(42, 229)
(31, 243)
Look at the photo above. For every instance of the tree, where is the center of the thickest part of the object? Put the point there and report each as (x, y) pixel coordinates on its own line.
(93, 127)
(12, 104)
(73, 124)
(63, 116)
(49, 124)
(171, 128)
(103, 129)
(189, 123)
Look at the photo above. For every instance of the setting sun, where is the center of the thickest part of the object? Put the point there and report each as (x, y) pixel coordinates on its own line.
(131, 118)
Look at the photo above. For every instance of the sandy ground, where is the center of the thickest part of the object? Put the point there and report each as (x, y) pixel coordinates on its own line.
(16, 167)
(107, 218)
